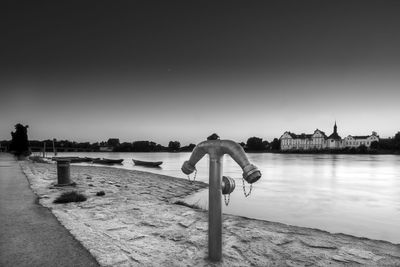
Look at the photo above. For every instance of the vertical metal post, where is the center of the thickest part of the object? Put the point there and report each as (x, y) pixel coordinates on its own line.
(216, 149)
(63, 172)
(214, 209)
(54, 147)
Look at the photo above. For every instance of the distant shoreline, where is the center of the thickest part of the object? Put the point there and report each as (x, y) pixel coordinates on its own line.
(335, 152)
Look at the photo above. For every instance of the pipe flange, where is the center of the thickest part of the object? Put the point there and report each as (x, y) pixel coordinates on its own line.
(250, 173)
(187, 168)
(228, 185)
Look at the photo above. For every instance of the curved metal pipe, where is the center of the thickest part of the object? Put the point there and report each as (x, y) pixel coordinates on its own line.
(216, 149)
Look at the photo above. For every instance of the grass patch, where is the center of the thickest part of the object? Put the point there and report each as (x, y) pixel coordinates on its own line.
(100, 193)
(71, 196)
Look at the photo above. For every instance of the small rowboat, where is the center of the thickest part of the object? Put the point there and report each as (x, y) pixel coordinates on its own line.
(108, 161)
(147, 163)
(73, 159)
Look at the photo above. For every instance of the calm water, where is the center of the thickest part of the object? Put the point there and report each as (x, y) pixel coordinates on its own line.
(352, 194)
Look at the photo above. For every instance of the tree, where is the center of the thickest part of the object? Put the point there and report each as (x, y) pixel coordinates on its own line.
(214, 136)
(143, 146)
(19, 141)
(396, 141)
(362, 149)
(255, 144)
(124, 147)
(266, 144)
(276, 144)
(188, 148)
(386, 144)
(374, 145)
(174, 145)
(113, 142)
(4, 145)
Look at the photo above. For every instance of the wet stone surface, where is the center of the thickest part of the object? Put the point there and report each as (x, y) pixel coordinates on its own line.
(136, 224)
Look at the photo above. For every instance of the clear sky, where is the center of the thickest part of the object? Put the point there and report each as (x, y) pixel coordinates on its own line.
(181, 70)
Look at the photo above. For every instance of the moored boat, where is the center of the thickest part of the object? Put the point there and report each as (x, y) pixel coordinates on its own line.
(108, 161)
(147, 163)
(73, 159)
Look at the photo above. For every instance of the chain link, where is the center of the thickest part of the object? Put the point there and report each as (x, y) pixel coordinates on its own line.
(246, 194)
(194, 177)
(226, 200)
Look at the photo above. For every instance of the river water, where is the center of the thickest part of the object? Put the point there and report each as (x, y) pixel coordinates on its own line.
(353, 194)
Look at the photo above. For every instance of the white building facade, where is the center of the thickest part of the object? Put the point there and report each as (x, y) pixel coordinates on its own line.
(356, 141)
(318, 140)
(291, 141)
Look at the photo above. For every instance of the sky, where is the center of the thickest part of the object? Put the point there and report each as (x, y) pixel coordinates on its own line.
(182, 70)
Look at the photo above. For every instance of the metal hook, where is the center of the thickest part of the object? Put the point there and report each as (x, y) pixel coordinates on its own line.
(227, 200)
(246, 194)
(194, 177)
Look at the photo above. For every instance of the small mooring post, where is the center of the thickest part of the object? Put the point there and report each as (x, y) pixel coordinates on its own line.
(216, 149)
(44, 149)
(54, 147)
(63, 172)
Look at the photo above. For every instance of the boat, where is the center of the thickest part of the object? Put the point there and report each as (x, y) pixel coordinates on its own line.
(74, 159)
(108, 161)
(147, 163)
(88, 159)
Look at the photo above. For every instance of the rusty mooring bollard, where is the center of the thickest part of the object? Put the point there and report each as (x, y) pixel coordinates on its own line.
(63, 173)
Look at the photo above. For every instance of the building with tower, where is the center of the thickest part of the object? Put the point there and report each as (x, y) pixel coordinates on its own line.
(319, 140)
(334, 141)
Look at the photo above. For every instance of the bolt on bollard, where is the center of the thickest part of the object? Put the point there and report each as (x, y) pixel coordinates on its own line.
(216, 149)
(63, 172)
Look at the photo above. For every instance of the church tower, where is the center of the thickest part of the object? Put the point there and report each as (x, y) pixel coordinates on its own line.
(334, 140)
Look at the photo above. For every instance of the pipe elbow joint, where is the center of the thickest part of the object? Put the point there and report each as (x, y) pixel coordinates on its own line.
(189, 166)
(216, 148)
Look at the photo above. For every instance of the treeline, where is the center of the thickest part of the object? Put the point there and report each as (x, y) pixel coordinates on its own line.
(387, 145)
(19, 143)
(149, 146)
(257, 144)
(66, 145)
(112, 144)
(253, 144)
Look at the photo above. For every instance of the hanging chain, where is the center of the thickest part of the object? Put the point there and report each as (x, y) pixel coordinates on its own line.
(194, 178)
(227, 199)
(246, 194)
